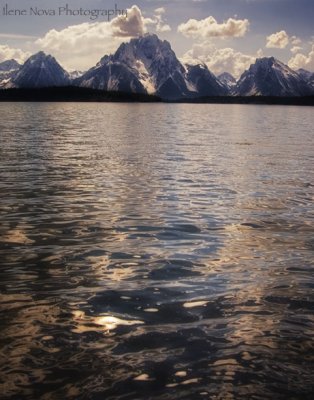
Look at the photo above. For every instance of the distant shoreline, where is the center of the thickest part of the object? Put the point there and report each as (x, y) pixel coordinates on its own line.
(79, 94)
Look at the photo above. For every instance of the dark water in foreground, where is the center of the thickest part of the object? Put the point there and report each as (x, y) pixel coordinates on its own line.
(156, 252)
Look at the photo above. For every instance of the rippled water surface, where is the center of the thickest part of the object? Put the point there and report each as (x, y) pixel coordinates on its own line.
(156, 252)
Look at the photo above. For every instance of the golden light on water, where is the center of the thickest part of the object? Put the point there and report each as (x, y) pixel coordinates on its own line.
(107, 323)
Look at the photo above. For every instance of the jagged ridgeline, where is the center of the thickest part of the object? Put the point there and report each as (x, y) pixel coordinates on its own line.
(148, 65)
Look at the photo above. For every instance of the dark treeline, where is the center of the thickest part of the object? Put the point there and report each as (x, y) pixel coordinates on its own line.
(73, 94)
(79, 94)
(292, 101)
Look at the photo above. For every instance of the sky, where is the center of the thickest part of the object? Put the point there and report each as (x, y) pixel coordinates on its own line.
(227, 35)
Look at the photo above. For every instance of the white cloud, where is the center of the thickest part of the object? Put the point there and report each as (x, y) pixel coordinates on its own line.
(131, 26)
(220, 60)
(7, 53)
(200, 52)
(278, 40)
(81, 46)
(295, 40)
(296, 49)
(209, 27)
(160, 10)
(305, 61)
(161, 26)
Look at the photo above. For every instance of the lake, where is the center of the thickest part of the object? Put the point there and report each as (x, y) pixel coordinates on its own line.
(156, 251)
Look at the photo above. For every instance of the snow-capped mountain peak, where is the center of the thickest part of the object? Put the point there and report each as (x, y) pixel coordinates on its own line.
(153, 67)
(8, 69)
(9, 65)
(75, 74)
(145, 64)
(204, 82)
(156, 63)
(270, 77)
(227, 80)
(40, 70)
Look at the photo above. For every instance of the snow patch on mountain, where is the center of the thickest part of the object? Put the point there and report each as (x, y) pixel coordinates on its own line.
(227, 80)
(8, 69)
(75, 74)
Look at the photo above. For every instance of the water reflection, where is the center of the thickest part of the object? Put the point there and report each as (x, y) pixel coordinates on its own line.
(106, 322)
(171, 262)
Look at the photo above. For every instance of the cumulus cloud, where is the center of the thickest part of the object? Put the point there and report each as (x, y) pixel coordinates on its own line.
(278, 40)
(296, 49)
(131, 26)
(7, 53)
(81, 46)
(220, 60)
(295, 40)
(161, 26)
(209, 27)
(160, 10)
(301, 60)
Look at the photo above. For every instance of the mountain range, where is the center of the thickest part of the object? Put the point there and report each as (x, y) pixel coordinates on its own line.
(148, 65)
